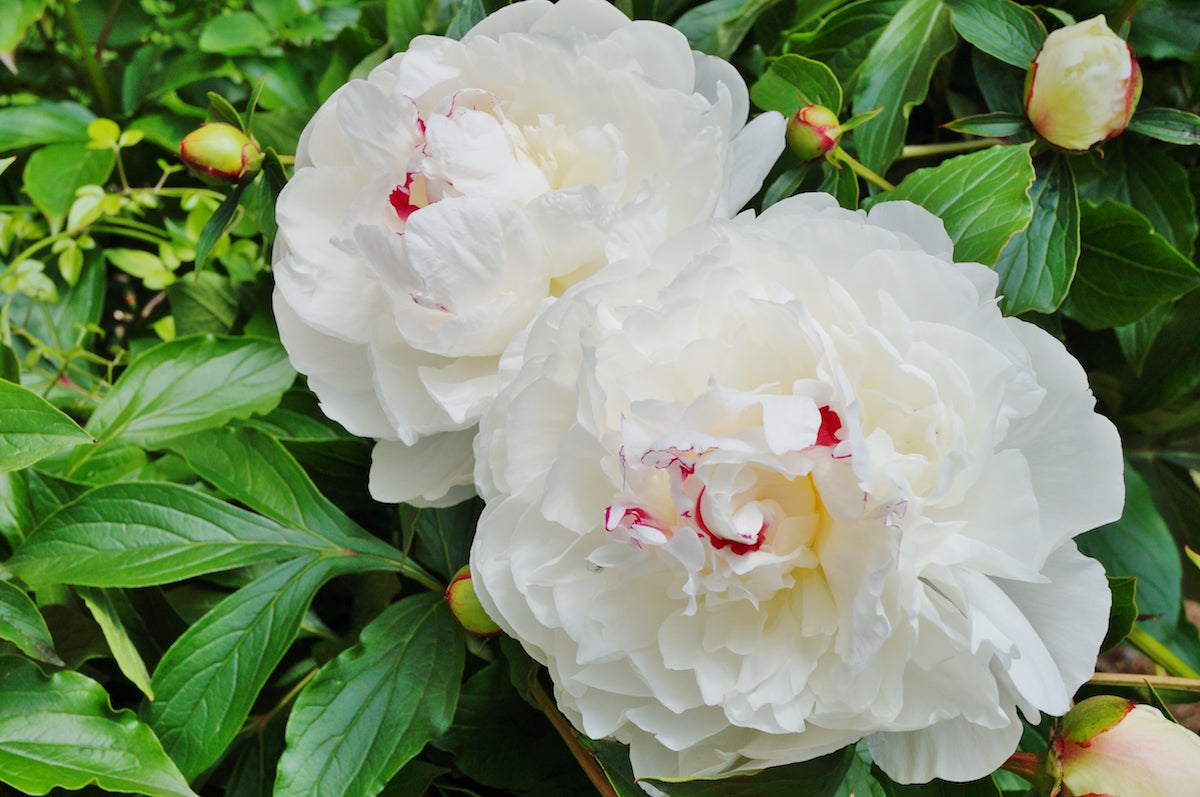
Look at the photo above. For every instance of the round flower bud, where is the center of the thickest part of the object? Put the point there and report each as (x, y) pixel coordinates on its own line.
(221, 152)
(1082, 86)
(813, 131)
(464, 605)
(1109, 745)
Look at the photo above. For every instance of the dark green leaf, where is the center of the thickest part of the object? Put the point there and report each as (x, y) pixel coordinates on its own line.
(239, 33)
(255, 759)
(1125, 269)
(1124, 611)
(31, 428)
(468, 15)
(10, 366)
(985, 787)
(859, 781)
(1139, 544)
(820, 776)
(1167, 29)
(1136, 339)
(376, 705)
(21, 623)
(1167, 124)
(141, 534)
(442, 537)
(895, 77)
(59, 731)
(190, 384)
(1037, 264)
(718, 26)
(842, 183)
(208, 680)
(614, 760)
(53, 174)
(1171, 365)
(24, 126)
(843, 39)
(792, 81)
(1001, 84)
(982, 198)
(1000, 28)
(1000, 124)
(17, 517)
(222, 110)
(203, 302)
(216, 225)
(407, 19)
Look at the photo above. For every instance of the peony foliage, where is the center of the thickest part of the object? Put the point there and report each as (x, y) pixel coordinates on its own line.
(778, 473)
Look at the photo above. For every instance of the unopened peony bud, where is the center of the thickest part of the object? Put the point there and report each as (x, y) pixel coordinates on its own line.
(464, 604)
(813, 131)
(222, 152)
(1109, 745)
(1082, 86)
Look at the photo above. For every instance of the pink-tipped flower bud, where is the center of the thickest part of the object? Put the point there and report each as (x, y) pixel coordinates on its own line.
(813, 131)
(221, 152)
(1110, 745)
(465, 606)
(1082, 86)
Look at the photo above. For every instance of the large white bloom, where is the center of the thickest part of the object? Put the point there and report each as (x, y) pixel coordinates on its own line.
(796, 484)
(440, 203)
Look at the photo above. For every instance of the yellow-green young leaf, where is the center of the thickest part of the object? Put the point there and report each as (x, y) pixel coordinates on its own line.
(895, 77)
(53, 173)
(147, 267)
(982, 198)
(103, 133)
(21, 623)
(31, 428)
(207, 681)
(377, 704)
(59, 731)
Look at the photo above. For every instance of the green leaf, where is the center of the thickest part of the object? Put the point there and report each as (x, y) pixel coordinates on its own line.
(41, 123)
(191, 384)
(1149, 180)
(16, 507)
(407, 19)
(1000, 28)
(469, 14)
(142, 534)
(1125, 269)
(984, 787)
(208, 680)
(1140, 544)
(1037, 264)
(217, 223)
(792, 81)
(843, 184)
(1167, 29)
(17, 17)
(31, 428)
(239, 33)
(442, 537)
(106, 607)
(859, 781)
(982, 198)
(1167, 124)
(59, 731)
(147, 267)
(718, 26)
(843, 39)
(999, 124)
(203, 302)
(376, 705)
(895, 77)
(1170, 366)
(1124, 611)
(1136, 339)
(21, 623)
(820, 776)
(54, 172)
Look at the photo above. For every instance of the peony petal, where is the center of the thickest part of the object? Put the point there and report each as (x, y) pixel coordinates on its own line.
(434, 472)
(953, 749)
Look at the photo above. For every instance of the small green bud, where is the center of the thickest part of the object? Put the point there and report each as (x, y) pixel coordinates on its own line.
(812, 132)
(465, 606)
(221, 152)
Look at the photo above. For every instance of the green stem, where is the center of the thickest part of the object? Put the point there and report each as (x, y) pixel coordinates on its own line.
(1135, 680)
(860, 170)
(589, 764)
(1159, 653)
(1027, 765)
(24, 255)
(923, 150)
(75, 25)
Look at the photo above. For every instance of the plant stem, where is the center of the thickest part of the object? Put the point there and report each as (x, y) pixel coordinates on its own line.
(922, 150)
(589, 764)
(1027, 765)
(862, 171)
(1135, 680)
(1160, 654)
(75, 25)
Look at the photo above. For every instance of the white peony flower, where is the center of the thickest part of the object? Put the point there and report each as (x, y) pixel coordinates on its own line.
(795, 484)
(439, 204)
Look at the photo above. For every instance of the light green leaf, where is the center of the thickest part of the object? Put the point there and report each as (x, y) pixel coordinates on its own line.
(820, 776)
(239, 33)
(147, 267)
(141, 534)
(470, 13)
(792, 79)
(982, 198)
(24, 126)
(103, 604)
(1001, 28)
(21, 623)
(208, 680)
(376, 705)
(17, 17)
(895, 77)
(31, 428)
(59, 731)
(407, 19)
(53, 174)
(1167, 124)
(203, 302)
(1125, 269)
(189, 384)
(1037, 264)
